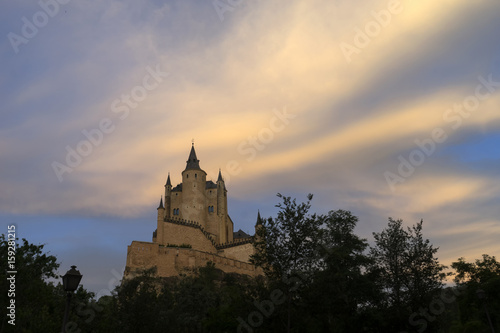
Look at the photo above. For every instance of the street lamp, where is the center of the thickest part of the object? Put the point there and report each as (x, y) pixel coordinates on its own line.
(480, 293)
(71, 280)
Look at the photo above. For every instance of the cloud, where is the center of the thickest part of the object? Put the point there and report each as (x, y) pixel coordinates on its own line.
(227, 79)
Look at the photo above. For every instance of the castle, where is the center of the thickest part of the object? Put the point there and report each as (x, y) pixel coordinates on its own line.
(193, 228)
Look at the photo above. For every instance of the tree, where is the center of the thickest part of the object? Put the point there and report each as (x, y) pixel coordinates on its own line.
(389, 261)
(138, 303)
(286, 245)
(471, 277)
(39, 303)
(286, 248)
(479, 272)
(425, 272)
(38, 309)
(341, 289)
(409, 274)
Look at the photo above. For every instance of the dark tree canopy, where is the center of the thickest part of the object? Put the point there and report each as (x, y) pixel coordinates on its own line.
(34, 297)
(320, 277)
(479, 284)
(408, 273)
(287, 244)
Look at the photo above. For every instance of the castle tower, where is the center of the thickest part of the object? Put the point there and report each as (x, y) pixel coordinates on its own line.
(168, 198)
(160, 219)
(193, 191)
(221, 196)
(222, 215)
(197, 200)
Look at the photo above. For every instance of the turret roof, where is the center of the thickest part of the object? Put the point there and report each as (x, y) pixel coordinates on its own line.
(210, 184)
(240, 234)
(259, 219)
(161, 203)
(192, 162)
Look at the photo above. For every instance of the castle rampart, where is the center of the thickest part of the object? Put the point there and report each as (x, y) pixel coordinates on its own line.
(173, 261)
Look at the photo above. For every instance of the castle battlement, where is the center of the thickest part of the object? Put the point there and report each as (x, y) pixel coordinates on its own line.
(236, 242)
(191, 224)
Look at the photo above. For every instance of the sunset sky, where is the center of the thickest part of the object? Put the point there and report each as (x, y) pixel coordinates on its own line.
(383, 108)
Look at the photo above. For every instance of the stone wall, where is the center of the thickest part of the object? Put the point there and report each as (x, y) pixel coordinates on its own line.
(240, 252)
(171, 261)
(177, 233)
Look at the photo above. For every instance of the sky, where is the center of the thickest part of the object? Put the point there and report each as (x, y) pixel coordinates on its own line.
(383, 108)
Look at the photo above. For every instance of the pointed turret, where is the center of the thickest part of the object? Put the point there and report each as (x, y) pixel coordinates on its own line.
(259, 228)
(168, 200)
(158, 237)
(192, 162)
(220, 181)
(224, 226)
(259, 219)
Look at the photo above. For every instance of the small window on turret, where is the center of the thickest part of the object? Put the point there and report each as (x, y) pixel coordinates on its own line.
(195, 175)
(187, 175)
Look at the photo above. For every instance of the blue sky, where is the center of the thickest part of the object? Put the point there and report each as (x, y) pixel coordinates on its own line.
(384, 108)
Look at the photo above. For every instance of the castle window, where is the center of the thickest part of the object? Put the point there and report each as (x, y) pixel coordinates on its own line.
(210, 209)
(176, 211)
(195, 175)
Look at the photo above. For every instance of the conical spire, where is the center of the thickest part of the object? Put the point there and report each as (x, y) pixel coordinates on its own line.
(161, 204)
(221, 180)
(192, 162)
(259, 219)
(168, 180)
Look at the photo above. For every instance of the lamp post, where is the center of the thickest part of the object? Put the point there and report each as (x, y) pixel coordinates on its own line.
(71, 280)
(482, 296)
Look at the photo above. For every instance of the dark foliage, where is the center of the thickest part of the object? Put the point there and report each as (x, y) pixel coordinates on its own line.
(320, 277)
